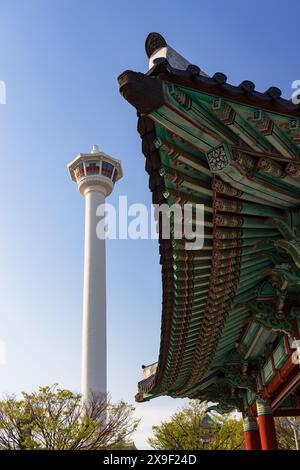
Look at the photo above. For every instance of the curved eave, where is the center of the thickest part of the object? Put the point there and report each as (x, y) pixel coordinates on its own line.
(143, 91)
(201, 318)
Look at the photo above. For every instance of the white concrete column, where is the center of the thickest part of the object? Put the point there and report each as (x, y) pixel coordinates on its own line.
(94, 353)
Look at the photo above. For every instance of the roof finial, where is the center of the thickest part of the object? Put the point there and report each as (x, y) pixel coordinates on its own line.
(157, 48)
(154, 41)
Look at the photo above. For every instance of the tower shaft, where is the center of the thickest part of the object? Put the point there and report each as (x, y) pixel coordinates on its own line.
(94, 354)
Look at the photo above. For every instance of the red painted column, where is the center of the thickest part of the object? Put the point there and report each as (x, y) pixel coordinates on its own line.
(251, 434)
(266, 426)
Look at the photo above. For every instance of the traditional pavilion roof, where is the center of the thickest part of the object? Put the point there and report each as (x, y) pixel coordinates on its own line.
(236, 151)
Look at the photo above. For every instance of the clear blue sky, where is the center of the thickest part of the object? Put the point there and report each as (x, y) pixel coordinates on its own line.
(59, 60)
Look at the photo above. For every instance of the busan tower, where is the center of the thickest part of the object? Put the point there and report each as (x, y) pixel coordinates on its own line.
(95, 174)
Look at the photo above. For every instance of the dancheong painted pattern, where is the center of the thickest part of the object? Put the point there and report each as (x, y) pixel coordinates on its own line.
(230, 312)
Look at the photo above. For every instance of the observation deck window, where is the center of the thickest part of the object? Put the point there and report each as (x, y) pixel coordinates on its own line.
(79, 171)
(107, 169)
(92, 168)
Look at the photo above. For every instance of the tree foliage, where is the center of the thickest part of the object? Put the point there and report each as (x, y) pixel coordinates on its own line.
(193, 428)
(288, 433)
(57, 419)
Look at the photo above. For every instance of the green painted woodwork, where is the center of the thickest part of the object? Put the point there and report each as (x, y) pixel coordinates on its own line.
(280, 355)
(241, 291)
(268, 372)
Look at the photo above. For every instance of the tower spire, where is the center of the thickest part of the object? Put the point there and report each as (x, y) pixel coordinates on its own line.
(95, 149)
